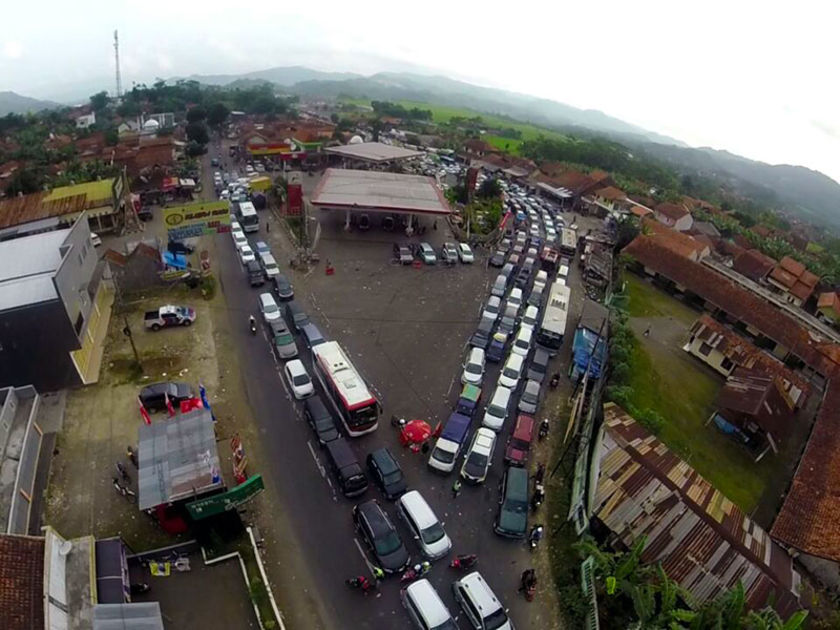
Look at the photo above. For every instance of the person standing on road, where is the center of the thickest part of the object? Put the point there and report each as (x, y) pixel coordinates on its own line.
(378, 574)
(456, 488)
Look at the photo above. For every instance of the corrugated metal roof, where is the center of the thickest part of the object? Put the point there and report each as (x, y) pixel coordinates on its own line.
(703, 540)
(134, 616)
(27, 266)
(177, 458)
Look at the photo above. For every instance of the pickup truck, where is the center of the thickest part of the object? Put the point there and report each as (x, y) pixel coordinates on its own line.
(169, 315)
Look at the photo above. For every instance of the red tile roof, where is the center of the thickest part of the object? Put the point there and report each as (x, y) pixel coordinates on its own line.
(809, 517)
(703, 541)
(736, 301)
(679, 243)
(753, 264)
(795, 277)
(611, 193)
(759, 396)
(829, 300)
(21, 582)
(673, 211)
(639, 211)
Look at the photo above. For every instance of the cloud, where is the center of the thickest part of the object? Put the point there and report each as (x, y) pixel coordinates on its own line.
(829, 130)
(12, 49)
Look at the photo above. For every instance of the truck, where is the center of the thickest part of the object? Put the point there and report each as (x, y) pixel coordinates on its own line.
(168, 316)
(449, 444)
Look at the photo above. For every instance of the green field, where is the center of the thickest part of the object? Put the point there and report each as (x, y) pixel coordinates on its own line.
(681, 389)
(508, 145)
(444, 113)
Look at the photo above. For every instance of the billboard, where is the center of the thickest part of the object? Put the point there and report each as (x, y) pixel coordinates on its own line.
(226, 501)
(197, 219)
(294, 199)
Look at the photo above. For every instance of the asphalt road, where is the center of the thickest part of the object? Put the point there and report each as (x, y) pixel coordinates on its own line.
(406, 331)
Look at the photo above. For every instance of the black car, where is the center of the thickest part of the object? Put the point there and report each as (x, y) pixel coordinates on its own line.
(387, 473)
(283, 287)
(402, 254)
(497, 259)
(320, 419)
(536, 296)
(538, 367)
(523, 278)
(507, 323)
(381, 537)
(153, 396)
(296, 316)
(481, 336)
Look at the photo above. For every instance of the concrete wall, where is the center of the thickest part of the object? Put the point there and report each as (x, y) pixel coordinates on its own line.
(74, 274)
(7, 415)
(826, 571)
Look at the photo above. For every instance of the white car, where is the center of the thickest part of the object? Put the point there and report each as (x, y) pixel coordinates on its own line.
(465, 253)
(515, 297)
(298, 379)
(473, 372)
(234, 225)
(512, 371)
(529, 319)
(479, 456)
(239, 238)
(246, 254)
(492, 308)
(522, 342)
(269, 309)
(496, 412)
(270, 267)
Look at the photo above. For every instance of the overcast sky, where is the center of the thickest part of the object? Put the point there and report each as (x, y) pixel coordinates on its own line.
(756, 78)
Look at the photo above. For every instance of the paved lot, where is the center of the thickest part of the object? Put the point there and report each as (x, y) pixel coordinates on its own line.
(406, 330)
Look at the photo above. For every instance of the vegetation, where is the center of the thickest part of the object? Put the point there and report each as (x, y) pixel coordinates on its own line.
(386, 108)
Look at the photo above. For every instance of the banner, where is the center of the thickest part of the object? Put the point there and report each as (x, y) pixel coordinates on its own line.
(226, 501)
(294, 200)
(197, 219)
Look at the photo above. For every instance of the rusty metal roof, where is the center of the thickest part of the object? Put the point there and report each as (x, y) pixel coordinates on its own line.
(67, 200)
(703, 540)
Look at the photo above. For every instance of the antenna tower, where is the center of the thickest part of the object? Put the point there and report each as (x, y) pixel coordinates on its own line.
(117, 61)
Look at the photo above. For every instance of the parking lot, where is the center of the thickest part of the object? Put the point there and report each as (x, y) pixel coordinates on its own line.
(406, 330)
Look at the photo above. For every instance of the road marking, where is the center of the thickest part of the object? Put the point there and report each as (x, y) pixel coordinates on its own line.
(363, 554)
(451, 383)
(321, 468)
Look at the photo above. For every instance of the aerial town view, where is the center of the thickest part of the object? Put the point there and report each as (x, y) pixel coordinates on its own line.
(342, 318)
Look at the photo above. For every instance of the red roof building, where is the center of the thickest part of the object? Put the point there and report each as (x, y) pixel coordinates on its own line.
(677, 242)
(674, 215)
(828, 305)
(21, 582)
(793, 280)
(752, 264)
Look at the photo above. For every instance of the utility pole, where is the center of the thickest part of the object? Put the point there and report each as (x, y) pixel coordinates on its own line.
(117, 62)
(127, 333)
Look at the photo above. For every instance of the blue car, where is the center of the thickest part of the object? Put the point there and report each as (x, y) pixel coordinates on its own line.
(496, 351)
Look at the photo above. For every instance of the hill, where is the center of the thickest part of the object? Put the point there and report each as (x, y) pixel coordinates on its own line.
(285, 76)
(13, 103)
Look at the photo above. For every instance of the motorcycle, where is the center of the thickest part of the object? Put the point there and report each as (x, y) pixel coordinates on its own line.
(252, 323)
(139, 588)
(464, 562)
(555, 380)
(544, 427)
(537, 498)
(540, 474)
(360, 582)
(528, 584)
(535, 537)
(416, 572)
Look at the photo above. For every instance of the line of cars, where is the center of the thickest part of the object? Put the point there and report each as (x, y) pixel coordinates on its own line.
(450, 253)
(371, 521)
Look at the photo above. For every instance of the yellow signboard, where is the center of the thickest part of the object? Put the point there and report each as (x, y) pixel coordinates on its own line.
(196, 219)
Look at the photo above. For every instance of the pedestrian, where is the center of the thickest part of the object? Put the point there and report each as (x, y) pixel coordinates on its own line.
(378, 574)
(456, 488)
(647, 331)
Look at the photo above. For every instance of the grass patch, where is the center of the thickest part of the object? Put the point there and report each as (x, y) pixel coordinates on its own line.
(645, 300)
(257, 590)
(508, 145)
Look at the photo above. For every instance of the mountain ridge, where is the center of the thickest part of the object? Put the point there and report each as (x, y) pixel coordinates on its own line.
(14, 103)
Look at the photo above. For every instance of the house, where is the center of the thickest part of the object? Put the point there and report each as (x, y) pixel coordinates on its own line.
(752, 264)
(703, 541)
(828, 306)
(754, 406)
(478, 148)
(725, 351)
(793, 281)
(640, 212)
(677, 242)
(55, 305)
(785, 336)
(674, 215)
(86, 120)
(707, 228)
(608, 199)
(163, 119)
(49, 582)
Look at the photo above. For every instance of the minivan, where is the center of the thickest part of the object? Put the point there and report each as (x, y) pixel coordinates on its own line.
(312, 335)
(269, 308)
(519, 443)
(424, 525)
(480, 605)
(425, 607)
(522, 342)
(296, 316)
(496, 411)
(473, 372)
(449, 444)
(320, 419)
(512, 371)
(530, 318)
(351, 478)
(512, 520)
(499, 286)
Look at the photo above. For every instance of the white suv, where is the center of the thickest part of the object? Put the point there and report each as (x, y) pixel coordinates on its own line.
(473, 372)
(496, 411)
(479, 456)
(479, 603)
(425, 607)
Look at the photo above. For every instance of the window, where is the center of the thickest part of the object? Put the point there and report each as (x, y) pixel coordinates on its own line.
(726, 364)
(705, 349)
(80, 321)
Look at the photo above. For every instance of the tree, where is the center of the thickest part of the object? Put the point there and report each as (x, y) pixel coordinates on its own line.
(196, 114)
(197, 132)
(99, 101)
(490, 188)
(195, 149)
(217, 115)
(334, 118)
(112, 137)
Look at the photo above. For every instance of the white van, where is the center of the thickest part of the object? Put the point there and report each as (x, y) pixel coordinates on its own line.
(499, 286)
(473, 372)
(563, 272)
(515, 297)
(425, 607)
(511, 371)
(479, 603)
(541, 279)
(496, 411)
(522, 343)
(427, 529)
(529, 319)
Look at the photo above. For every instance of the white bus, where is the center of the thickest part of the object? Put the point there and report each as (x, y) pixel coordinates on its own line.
(247, 217)
(346, 389)
(553, 326)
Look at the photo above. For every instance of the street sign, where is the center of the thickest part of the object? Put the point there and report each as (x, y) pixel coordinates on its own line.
(197, 219)
(226, 501)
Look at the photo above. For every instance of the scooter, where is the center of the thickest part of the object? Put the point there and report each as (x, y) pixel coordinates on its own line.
(464, 562)
(416, 572)
(555, 380)
(253, 324)
(544, 427)
(535, 537)
(537, 498)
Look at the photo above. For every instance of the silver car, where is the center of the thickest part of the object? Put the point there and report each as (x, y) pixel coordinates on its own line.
(529, 400)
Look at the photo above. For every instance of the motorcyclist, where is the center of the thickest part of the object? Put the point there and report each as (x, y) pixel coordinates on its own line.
(252, 323)
(535, 535)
